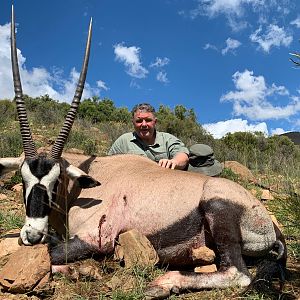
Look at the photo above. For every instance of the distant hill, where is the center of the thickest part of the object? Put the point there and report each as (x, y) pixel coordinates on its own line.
(294, 136)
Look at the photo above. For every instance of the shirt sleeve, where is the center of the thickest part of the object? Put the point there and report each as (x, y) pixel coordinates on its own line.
(175, 146)
(116, 147)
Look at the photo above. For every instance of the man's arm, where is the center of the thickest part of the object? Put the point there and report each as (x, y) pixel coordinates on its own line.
(116, 147)
(179, 161)
(177, 152)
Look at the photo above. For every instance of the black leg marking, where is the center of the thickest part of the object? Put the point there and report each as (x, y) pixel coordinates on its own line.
(72, 250)
(223, 219)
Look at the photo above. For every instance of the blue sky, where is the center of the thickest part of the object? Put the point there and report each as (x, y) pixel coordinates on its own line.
(226, 59)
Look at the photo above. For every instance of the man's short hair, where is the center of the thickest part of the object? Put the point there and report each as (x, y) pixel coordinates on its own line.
(144, 107)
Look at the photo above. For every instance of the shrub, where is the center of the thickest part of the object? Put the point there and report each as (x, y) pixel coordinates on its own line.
(7, 112)
(10, 144)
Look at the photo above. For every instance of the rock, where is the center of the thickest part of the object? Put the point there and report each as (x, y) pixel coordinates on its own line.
(266, 195)
(240, 170)
(275, 221)
(9, 244)
(135, 249)
(203, 255)
(17, 188)
(3, 197)
(44, 284)
(206, 269)
(253, 192)
(25, 269)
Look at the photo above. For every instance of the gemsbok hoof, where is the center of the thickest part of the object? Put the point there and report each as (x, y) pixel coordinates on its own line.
(156, 292)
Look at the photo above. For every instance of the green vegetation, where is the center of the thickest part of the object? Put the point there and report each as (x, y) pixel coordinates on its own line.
(275, 161)
(9, 221)
(99, 122)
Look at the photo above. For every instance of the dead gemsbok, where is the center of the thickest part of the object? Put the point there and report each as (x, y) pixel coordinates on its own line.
(176, 210)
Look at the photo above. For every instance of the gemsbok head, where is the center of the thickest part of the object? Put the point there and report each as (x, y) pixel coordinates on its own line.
(41, 172)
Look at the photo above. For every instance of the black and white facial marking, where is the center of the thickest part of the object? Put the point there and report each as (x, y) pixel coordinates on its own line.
(40, 178)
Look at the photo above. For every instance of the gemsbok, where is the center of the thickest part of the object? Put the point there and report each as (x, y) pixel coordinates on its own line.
(91, 200)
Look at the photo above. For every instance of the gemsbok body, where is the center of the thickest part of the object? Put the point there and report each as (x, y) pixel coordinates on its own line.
(91, 200)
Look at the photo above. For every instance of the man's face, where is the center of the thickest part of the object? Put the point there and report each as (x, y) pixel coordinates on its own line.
(144, 124)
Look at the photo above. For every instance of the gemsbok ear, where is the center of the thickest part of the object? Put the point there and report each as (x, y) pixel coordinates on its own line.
(84, 180)
(9, 164)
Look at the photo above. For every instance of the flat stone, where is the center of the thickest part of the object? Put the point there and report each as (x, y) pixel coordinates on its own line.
(206, 269)
(203, 255)
(242, 171)
(3, 197)
(9, 244)
(25, 269)
(135, 249)
(266, 195)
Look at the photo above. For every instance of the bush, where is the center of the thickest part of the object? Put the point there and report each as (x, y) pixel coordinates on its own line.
(45, 111)
(7, 112)
(82, 140)
(260, 153)
(10, 144)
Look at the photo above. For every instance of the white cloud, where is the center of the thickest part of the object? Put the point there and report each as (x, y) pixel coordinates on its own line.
(102, 85)
(162, 77)
(220, 129)
(296, 22)
(6, 83)
(160, 62)
(251, 98)
(38, 81)
(274, 36)
(231, 45)
(237, 11)
(231, 7)
(130, 56)
(134, 84)
(210, 46)
(277, 131)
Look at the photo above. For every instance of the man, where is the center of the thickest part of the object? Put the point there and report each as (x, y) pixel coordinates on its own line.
(164, 148)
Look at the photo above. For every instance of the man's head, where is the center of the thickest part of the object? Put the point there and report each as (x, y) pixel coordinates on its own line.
(144, 121)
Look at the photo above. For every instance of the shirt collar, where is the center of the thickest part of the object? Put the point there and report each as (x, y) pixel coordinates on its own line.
(136, 138)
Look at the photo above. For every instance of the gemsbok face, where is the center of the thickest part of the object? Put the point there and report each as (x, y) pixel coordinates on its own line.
(40, 179)
(41, 172)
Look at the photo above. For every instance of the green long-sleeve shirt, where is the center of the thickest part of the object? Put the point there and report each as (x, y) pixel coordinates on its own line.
(166, 146)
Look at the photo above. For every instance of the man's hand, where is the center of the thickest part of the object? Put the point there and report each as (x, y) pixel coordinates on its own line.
(179, 161)
(167, 163)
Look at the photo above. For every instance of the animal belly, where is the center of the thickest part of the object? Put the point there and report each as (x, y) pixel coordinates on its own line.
(166, 224)
(174, 243)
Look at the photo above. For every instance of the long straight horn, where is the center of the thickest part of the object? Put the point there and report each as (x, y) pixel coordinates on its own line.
(28, 144)
(64, 132)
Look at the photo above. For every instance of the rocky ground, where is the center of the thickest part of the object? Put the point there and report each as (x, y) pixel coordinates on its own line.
(25, 271)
